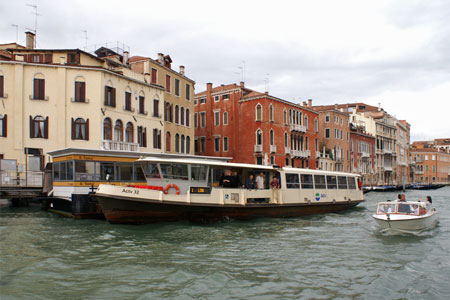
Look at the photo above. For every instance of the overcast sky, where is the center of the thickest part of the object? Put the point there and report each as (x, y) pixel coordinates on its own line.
(396, 53)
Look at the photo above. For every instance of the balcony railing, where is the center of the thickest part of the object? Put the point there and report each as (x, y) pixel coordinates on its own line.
(273, 148)
(317, 154)
(365, 154)
(287, 150)
(258, 148)
(119, 146)
(21, 179)
(298, 128)
(419, 172)
(300, 153)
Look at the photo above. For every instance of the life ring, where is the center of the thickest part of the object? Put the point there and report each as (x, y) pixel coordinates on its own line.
(166, 190)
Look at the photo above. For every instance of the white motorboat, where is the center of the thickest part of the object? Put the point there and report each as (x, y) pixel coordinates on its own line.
(405, 216)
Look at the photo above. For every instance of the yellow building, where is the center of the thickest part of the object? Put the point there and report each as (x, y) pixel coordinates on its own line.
(178, 100)
(53, 99)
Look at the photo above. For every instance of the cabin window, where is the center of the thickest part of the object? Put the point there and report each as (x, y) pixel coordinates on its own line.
(106, 169)
(124, 172)
(175, 171)
(198, 173)
(86, 171)
(138, 173)
(63, 171)
(307, 181)
(331, 182)
(292, 181)
(151, 171)
(342, 182)
(319, 182)
(351, 183)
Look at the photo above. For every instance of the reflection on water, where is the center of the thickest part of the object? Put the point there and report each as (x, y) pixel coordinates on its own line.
(342, 255)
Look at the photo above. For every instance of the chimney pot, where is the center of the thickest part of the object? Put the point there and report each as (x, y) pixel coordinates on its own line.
(309, 102)
(242, 84)
(30, 36)
(182, 70)
(209, 87)
(126, 54)
(161, 58)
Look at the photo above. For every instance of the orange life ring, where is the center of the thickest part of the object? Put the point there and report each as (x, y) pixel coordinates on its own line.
(166, 190)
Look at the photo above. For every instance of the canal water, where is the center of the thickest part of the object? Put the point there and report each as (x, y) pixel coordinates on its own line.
(333, 256)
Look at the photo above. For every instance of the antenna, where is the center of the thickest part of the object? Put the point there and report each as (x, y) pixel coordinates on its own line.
(17, 32)
(266, 81)
(243, 70)
(85, 39)
(35, 22)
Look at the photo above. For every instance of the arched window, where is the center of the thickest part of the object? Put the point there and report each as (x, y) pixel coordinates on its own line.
(168, 141)
(118, 131)
(258, 112)
(39, 87)
(300, 118)
(177, 143)
(80, 129)
(188, 145)
(285, 116)
(316, 125)
(271, 137)
(182, 115)
(290, 116)
(306, 121)
(259, 137)
(188, 118)
(225, 118)
(271, 113)
(39, 130)
(129, 133)
(177, 114)
(182, 143)
(286, 139)
(107, 129)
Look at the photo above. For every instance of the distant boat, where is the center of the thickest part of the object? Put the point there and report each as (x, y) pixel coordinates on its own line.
(405, 216)
(418, 186)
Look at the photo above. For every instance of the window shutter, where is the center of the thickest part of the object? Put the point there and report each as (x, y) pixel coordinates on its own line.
(73, 129)
(31, 127)
(106, 95)
(48, 58)
(1, 86)
(87, 130)
(46, 128)
(35, 88)
(83, 91)
(5, 125)
(77, 91)
(41, 58)
(154, 76)
(113, 97)
(77, 58)
(144, 137)
(41, 89)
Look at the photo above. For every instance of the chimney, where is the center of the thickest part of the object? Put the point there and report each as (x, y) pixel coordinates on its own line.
(125, 57)
(209, 87)
(379, 106)
(147, 71)
(182, 70)
(309, 102)
(161, 58)
(304, 104)
(62, 60)
(336, 107)
(241, 84)
(266, 92)
(30, 39)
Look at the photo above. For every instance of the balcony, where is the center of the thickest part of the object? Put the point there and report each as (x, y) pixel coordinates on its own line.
(273, 148)
(418, 172)
(317, 154)
(298, 128)
(365, 154)
(287, 150)
(119, 146)
(388, 168)
(387, 151)
(258, 148)
(300, 153)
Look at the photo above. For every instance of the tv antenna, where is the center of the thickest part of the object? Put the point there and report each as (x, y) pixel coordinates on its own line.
(242, 68)
(35, 13)
(267, 81)
(85, 39)
(17, 32)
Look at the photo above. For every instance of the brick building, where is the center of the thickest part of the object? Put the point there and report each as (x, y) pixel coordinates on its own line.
(253, 127)
(432, 162)
(362, 152)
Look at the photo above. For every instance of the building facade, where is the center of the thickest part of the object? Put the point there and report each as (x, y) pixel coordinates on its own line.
(362, 149)
(402, 152)
(253, 127)
(53, 99)
(432, 162)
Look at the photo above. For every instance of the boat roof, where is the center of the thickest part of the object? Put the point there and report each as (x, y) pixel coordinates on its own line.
(240, 165)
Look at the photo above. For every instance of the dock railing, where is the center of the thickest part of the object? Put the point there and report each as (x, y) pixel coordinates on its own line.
(21, 179)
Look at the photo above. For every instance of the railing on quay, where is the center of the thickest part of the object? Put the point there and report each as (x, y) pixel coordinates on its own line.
(21, 179)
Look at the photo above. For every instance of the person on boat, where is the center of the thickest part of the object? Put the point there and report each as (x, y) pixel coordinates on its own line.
(226, 180)
(399, 197)
(275, 183)
(402, 198)
(403, 208)
(414, 209)
(250, 183)
(429, 200)
(260, 181)
(236, 179)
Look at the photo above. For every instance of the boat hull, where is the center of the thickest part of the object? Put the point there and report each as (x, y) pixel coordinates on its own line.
(128, 211)
(407, 225)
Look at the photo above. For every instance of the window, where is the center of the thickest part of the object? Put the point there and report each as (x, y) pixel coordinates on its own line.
(188, 118)
(306, 121)
(285, 117)
(342, 182)
(110, 96)
(216, 144)
(188, 92)
(177, 143)
(327, 119)
(154, 76)
(202, 119)
(38, 127)
(142, 136)
(156, 108)
(286, 140)
(3, 125)
(168, 137)
(272, 160)
(174, 171)
(177, 114)
(177, 87)
(128, 101)
(182, 115)
(225, 144)
(39, 89)
(156, 138)
(331, 182)
(73, 58)
(2, 86)
(142, 105)
(259, 137)
(327, 133)
(195, 145)
(188, 145)
(292, 181)
(307, 181)
(225, 118)
(316, 125)
(80, 129)
(271, 137)
(35, 58)
(129, 133)
(195, 120)
(202, 144)
(216, 98)
(351, 183)
(202, 100)
(107, 129)
(182, 141)
(80, 91)
(168, 113)
(226, 97)
(118, 131)
(216, 118)
(271, 113)
(168, 83)
(319, 181)
(258, 112)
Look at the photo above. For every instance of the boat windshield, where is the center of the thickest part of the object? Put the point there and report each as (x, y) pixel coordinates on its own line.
(410, 208)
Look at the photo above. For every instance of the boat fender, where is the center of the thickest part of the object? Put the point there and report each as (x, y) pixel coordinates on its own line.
(309, 202)
(334, 201)
(166, 190)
